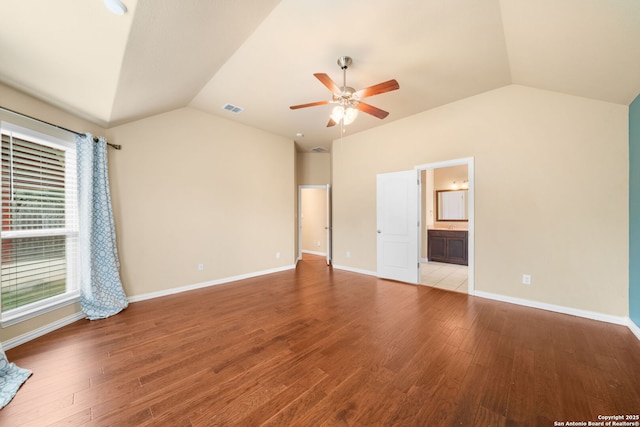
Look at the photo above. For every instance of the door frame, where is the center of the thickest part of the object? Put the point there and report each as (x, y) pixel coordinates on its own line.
(328, 227)
(469, 161)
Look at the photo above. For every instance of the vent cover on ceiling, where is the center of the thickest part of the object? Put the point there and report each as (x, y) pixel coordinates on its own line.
(233, 108)
(319, 150)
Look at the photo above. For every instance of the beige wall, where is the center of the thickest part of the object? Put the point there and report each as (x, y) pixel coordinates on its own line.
(551, 194)
(551, 191)
(25, 104)
(190, 188)
(445, 177)
(314, 168)
(187, 188)
(17, 101)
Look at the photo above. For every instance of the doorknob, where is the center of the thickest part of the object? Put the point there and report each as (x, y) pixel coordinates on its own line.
(379, 232)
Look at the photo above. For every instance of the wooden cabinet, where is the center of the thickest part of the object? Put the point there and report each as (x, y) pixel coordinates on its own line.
(448, 246)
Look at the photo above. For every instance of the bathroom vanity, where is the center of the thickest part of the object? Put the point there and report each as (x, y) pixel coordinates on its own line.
(449, 246)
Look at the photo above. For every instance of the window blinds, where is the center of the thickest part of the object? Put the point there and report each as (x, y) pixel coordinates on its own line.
(39, 219)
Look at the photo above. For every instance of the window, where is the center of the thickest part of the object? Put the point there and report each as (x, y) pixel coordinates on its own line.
(39, 223)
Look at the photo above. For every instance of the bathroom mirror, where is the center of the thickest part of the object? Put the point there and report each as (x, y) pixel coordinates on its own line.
(452, 205)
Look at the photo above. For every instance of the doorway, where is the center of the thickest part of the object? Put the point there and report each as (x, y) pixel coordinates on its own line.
(314, 221)
(443, 179)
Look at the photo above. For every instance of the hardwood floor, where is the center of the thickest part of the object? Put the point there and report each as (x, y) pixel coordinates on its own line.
(320, 347)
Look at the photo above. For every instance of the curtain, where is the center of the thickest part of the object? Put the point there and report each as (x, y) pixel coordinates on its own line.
(101, 293)
(11, 378)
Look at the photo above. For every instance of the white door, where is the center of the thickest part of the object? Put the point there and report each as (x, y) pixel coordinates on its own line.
(398, 195)
(328, 226)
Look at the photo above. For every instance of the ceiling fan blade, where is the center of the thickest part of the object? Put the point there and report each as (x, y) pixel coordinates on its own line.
(331, 123)
(326, 80)
(387, 86)
(374, 111)
(311, 104)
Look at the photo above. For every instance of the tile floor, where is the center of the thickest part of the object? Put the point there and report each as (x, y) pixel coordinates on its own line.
(451, 277)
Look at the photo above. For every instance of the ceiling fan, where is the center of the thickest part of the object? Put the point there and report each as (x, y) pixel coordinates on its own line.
(348, 100)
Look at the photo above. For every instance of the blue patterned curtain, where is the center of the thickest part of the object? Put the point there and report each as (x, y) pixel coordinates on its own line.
(11, 378)
(101, 290)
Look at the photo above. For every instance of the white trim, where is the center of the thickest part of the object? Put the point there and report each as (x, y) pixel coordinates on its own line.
(41, 138)
(314, 253)
(634, 328)
(355, 270)
(72, 294)
(469, 161)
(31, 335)
(329, 226)
(38, 308)
(36, 333)
(181, 289)
(39, 232)
(618, 320)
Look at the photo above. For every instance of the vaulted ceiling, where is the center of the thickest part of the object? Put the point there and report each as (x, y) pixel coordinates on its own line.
(260, 55)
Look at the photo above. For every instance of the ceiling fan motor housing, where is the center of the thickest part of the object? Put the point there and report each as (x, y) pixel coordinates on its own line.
(346, 97)
(344, 62)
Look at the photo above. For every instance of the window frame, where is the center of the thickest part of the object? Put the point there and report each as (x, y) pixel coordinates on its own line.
(72, 284)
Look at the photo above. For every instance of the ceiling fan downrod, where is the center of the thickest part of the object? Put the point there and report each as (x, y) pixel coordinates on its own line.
(344, 62)
(345, 98)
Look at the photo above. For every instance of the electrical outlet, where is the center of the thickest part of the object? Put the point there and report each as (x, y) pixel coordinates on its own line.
(526, 279)
(277, 255)
(318, 244)
(201, 267)
(348, 254)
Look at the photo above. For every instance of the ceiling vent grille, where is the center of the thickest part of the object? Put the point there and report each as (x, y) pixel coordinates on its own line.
(233, 108)
(319, 150)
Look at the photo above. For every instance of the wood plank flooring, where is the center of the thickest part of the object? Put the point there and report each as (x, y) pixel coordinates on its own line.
(322, 347)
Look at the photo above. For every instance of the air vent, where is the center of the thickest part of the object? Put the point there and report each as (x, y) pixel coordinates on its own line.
(319, 150)
(233, 108)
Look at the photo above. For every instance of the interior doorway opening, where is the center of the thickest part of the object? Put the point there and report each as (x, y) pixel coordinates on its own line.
(314, 221)
(448, 262)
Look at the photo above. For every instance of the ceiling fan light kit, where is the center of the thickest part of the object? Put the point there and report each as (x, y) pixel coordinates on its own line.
(348, 100)
(348, 114)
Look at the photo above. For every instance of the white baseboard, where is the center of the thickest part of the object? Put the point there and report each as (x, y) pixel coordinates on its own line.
(634, 328)
(355, 270)
(31, 335)
(314, 253)
(207, 284)
(21, 339)
(618, 320)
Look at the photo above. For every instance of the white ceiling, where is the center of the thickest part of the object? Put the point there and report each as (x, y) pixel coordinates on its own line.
(261, 55)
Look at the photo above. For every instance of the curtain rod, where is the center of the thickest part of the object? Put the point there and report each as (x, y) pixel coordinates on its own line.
(115, 146)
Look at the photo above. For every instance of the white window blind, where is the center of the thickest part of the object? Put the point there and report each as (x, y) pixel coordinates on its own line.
(39, 219)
